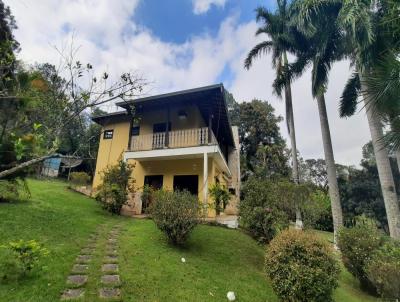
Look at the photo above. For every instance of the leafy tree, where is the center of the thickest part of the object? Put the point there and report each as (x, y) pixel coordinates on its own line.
(361, 193)
(314, 171)
(8, 47)
(70, 96)
(263, 149)
(277, 26)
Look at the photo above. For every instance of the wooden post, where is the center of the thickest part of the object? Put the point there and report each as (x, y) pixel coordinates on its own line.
(130, 128)
(209, 127)
(166, 140)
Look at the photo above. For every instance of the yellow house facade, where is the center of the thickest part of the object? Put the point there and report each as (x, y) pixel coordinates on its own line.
(180, 140)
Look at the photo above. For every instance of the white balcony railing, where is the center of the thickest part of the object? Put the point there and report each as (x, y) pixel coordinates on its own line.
(175, 139)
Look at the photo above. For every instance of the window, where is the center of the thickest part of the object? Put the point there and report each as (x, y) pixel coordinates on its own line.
(160, 127)
(135, 131)
(108, 134)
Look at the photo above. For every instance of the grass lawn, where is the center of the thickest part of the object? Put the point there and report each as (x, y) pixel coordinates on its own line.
(217, 259)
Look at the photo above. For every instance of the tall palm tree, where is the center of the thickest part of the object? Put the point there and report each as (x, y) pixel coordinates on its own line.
(319, 49)
(371, 41)
(359, 21)
(280, 33)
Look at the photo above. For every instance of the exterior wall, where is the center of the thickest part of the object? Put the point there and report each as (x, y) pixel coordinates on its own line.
(170, 168)
(234, 167)
(193, 120)
(111, 149)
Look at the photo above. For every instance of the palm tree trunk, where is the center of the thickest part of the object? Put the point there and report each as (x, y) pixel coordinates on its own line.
(292, 134)
(330, 167)
(384, 170)
(398, 159)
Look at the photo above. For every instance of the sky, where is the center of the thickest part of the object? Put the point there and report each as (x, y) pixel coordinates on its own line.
(182, 44)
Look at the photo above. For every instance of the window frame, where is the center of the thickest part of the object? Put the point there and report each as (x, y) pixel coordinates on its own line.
(107, 132)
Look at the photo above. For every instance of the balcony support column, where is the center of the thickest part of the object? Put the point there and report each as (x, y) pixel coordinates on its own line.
(205, 183)
(166, 140)
(210, 116)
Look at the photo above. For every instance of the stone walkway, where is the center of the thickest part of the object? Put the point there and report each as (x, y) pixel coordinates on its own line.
(80, 273)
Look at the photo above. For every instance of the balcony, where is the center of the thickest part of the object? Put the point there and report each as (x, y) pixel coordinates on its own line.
(173, 139)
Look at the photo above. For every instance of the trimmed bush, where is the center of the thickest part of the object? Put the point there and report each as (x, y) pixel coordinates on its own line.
(175, 213)
(147, 198)
(117, 183)
(79, 178)
(357, 245)
(301, 267)
(383, 270)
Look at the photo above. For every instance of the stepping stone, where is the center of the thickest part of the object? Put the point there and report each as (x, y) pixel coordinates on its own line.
(77, 280)
(111, 252)
(80, 268)
(70, 294)
(109, 267)
(83, 258)
(110, 293)
(110, 247)
(110, 259)
(112, 240)
(110, 280)
(87, 251)
(91, 245)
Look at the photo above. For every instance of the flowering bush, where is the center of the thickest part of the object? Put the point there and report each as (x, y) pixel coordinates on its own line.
(383, 270)
(358, 244)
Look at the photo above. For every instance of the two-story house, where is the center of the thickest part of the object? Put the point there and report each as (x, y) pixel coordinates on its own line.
(179, 140)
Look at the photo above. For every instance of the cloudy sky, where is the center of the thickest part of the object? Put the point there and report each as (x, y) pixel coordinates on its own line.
(179, 44)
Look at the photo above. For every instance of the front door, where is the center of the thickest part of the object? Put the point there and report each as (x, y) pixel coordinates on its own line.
(156, 183)
(187, 182)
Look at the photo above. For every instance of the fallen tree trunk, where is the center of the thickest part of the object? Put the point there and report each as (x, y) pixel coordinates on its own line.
(26, 164)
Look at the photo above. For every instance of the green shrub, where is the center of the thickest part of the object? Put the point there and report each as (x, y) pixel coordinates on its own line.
(262, 211)
(21, 257)
(317, 212)
(175, 213)
(147, 198)
(79, 178)
(221, 197)
(357, 245)
(301, 267)
(13, 189)
(383, 270)
(117, 184)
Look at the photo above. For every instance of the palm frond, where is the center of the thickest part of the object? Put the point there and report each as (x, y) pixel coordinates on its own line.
(319, 75)
(348, 100)
(258, 50)
(383, 84)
